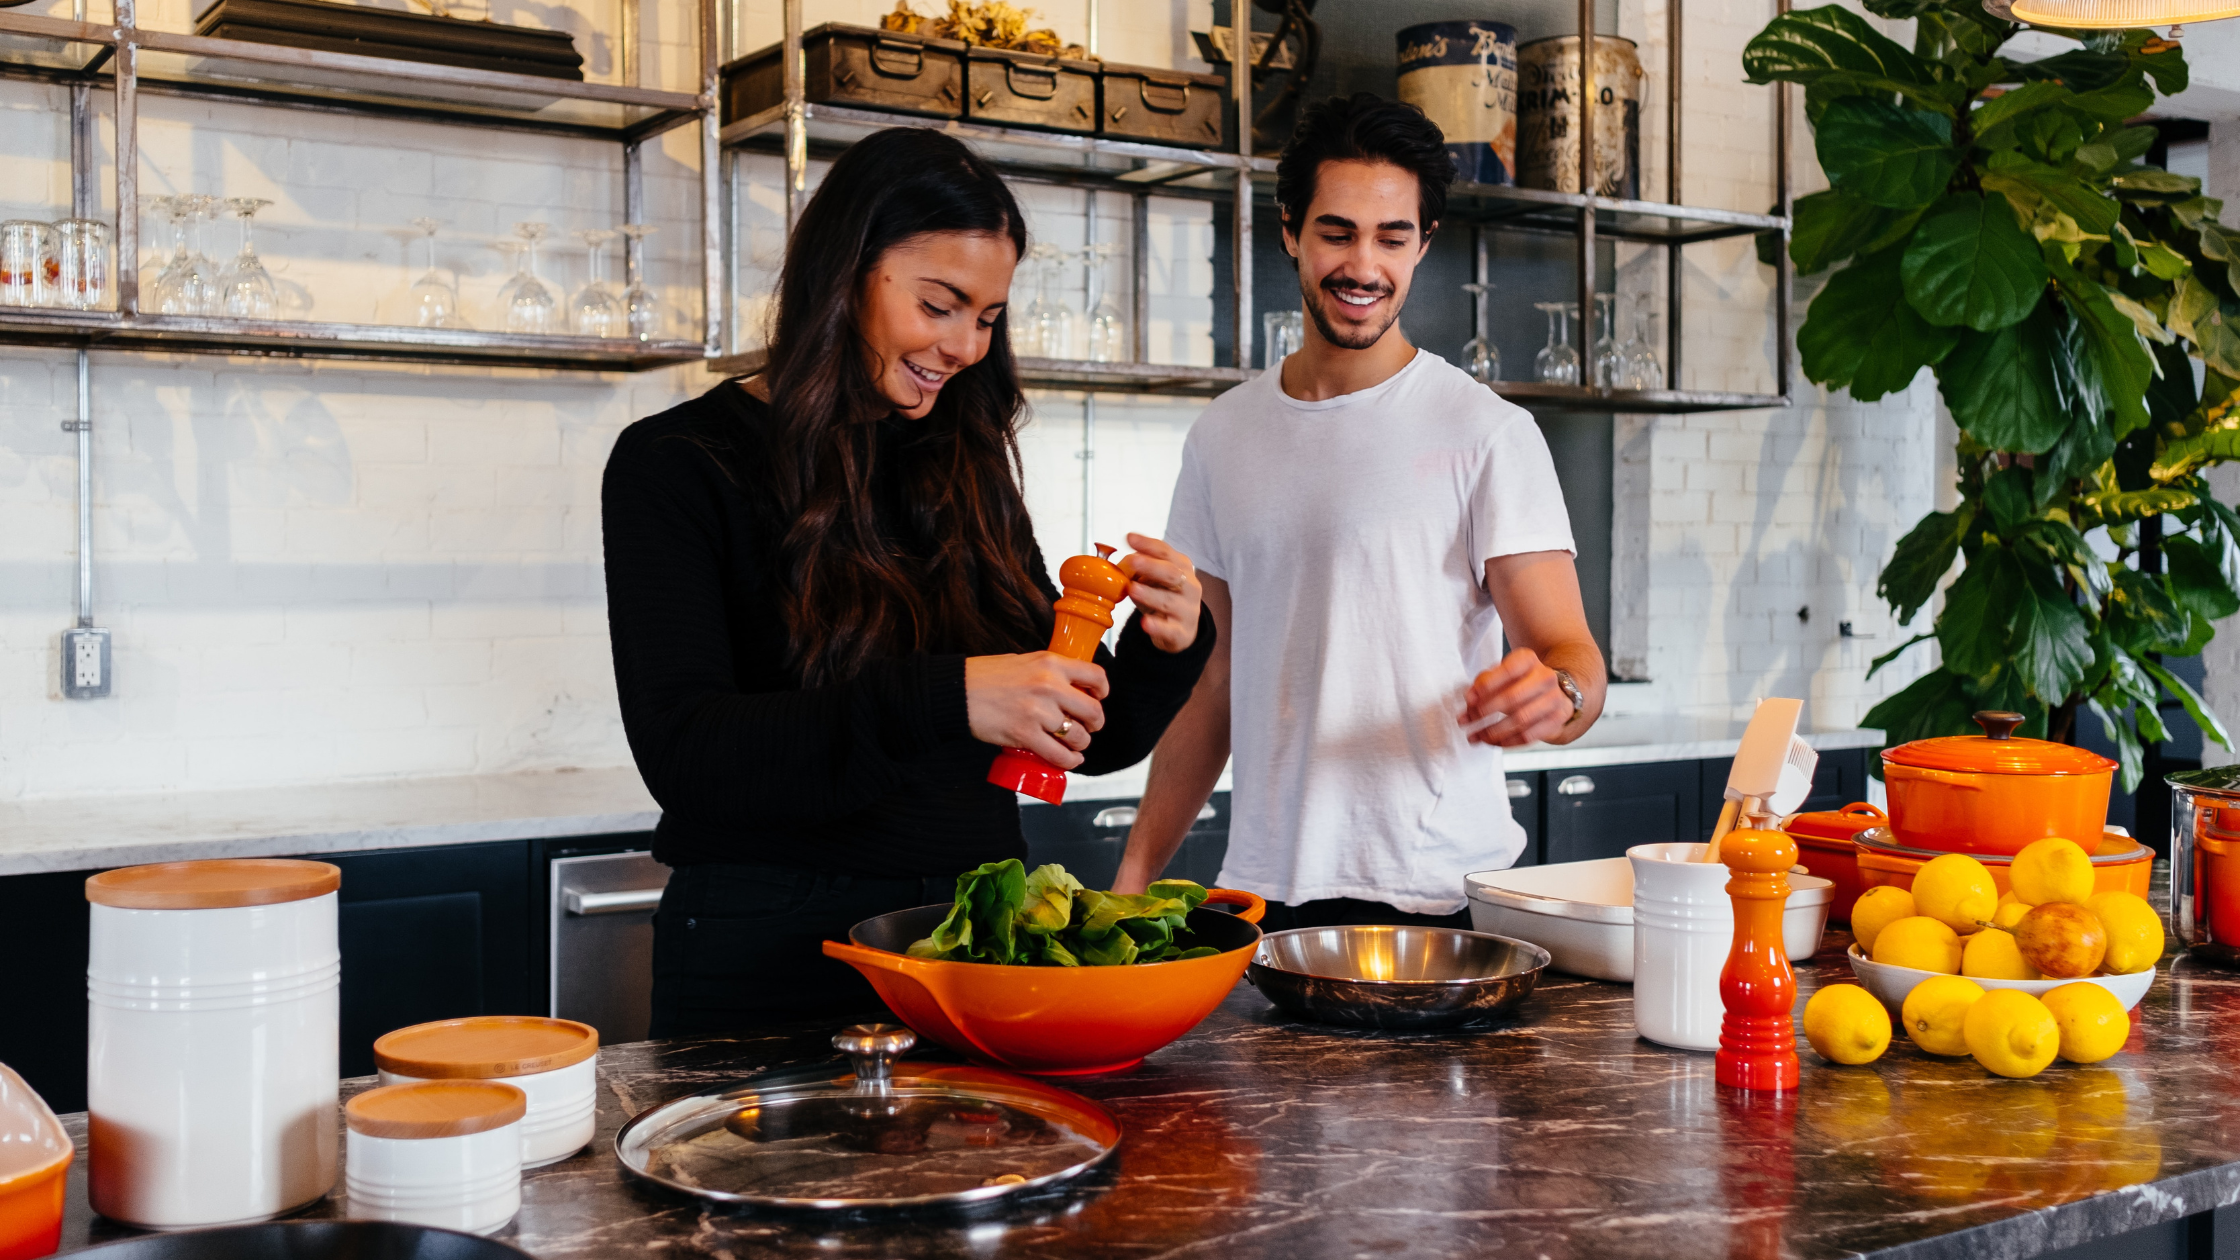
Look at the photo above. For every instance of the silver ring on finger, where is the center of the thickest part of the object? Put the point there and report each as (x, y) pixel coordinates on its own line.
(1065, 728)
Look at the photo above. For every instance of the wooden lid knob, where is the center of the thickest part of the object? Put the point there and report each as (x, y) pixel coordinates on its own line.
(482, 1047)
(1758, 852)
(435, 1109)
(213, 884)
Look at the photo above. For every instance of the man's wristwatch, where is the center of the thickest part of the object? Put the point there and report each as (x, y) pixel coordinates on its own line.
(1571, 689)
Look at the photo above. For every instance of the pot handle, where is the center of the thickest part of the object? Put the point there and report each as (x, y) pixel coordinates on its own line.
(1964, 780)
(884, 960)
(1998, 723)
(1863, 809)
(1254, 904)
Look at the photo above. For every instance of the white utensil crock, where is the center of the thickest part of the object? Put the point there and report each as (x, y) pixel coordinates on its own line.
(1683, 929)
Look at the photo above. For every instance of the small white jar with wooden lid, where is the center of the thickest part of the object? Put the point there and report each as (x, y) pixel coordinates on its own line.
(212, 1036)
(442, 1153)
(555, 1062)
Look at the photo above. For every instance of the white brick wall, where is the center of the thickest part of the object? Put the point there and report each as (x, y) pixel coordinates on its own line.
(321, 571)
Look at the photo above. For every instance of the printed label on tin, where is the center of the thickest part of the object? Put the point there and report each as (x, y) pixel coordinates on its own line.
(1463, 76)
(1548, 148)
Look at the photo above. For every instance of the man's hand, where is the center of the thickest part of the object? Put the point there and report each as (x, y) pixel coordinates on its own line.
(1164, 585)
(1526, 693)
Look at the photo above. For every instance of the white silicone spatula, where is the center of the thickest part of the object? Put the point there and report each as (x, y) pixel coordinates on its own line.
(1769, 744)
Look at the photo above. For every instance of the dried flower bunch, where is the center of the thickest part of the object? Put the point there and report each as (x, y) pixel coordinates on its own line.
(987, 24)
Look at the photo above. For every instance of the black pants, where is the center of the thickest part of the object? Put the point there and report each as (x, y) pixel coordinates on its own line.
(735, 946)
(1341, 911)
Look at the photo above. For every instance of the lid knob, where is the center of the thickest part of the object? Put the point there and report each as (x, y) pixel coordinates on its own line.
(1999, 723)
(872, 1050)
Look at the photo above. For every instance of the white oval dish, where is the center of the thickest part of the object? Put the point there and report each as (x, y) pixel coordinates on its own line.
(1892, 983)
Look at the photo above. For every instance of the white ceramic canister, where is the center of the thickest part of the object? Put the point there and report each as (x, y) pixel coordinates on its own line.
(1683, 929)
(440, 1153)
(555, 1062)
(212, 1051)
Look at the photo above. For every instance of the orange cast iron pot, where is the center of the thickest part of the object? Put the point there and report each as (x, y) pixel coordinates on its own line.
(1993, 793)
(1054, 1021)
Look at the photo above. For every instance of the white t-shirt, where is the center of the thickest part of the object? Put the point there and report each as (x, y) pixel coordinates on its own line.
(1354, 534)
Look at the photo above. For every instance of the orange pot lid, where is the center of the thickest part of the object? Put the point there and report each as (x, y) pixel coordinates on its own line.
(213, 884)
(481, 1047)
(1997, 751)
(435, 1109)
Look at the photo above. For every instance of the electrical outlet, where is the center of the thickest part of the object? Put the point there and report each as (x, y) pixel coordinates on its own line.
(85, 663)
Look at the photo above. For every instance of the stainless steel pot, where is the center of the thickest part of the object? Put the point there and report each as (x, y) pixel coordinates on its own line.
(1373, 976)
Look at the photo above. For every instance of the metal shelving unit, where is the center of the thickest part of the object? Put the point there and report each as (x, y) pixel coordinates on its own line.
(796, 128)
(128, 61)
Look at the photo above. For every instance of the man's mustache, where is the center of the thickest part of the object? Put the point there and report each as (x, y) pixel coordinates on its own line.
(1340, 284)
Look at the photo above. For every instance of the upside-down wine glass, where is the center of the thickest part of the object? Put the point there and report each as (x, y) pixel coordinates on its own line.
(1643, 369)
(1108, 328)
(246, 289)
(641, 310)
(1557, 363)
(530, 306)
(597, 312)
(1480, 358)
(1052, 334)
(185, 286)
(1609, 363)
(435, 303)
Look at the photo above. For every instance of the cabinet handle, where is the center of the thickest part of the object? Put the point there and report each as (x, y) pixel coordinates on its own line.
(626, 902)
(1125, 816)
(1519, 789)
(1575, 785)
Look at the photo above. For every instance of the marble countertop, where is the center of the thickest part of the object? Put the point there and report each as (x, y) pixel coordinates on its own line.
(1558, 1134)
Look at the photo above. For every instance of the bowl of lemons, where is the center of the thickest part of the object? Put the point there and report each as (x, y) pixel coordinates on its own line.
(2049, 930)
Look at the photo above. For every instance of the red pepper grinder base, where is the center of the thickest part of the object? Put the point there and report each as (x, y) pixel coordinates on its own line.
(1093, 584)
(1757, 1041)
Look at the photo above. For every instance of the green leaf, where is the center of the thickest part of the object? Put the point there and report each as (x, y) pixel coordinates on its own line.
(2084, 446)
(1978, 609)
(2197, 579)
(2120, 359)
(1884, 155)
(1861, 333)
(2196, 708)
(1048, 906)
(1937, 703)
(2051, 649)
(1921, 560)
(1829, 226)
(2006, 388)
(2167, 68)
(2198, 316)
(2115, 102)
(1808, 45)
(2014, 103)
(1896, 652)
(2129, 755)
(2020, 177)
(2081, 70)
(2148, 179)
(2060, 543)
(2141, 616)
(1971, 263)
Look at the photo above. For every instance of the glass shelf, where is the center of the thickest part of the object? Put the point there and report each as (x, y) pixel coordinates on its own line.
(1541, 396)
(286, 339)
(1654, 222)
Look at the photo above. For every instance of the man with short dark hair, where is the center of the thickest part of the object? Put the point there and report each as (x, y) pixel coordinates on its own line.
(1368, 523)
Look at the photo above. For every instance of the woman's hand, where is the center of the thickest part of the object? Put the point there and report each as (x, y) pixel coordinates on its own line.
(1025, 701)
(1164, 585)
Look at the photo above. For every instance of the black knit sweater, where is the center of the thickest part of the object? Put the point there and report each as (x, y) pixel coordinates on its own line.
(877, 775)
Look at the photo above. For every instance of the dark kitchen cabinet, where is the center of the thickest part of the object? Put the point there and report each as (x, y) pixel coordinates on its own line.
(43, 922)
(1527, 801)
(1603, 811)
(1839, 779)
(1089, 837)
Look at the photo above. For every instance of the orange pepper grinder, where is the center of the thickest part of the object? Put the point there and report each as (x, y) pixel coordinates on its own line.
(1757, 1044)
(1093, 584)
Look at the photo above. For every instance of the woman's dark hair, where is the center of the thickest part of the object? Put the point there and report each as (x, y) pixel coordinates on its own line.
(1364, 127)
(939, 565)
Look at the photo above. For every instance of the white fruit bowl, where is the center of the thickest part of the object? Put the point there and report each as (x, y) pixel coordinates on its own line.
(1893, 983)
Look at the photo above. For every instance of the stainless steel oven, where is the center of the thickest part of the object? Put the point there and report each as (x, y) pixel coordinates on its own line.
(602, 940)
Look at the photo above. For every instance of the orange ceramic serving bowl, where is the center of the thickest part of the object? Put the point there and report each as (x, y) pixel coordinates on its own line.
(1994, 793)
(35, 1157)
(1053, 1021)
(2119, 863)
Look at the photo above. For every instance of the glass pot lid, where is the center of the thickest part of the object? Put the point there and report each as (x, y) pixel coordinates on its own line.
(1997, 751)
(873, 1131)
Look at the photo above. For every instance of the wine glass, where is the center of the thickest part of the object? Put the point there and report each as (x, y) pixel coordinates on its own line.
(1480, 357)
(1643, 370)
(1108, 329)
(246, 290)
(202, 208)
(1051, 322)
(1557, 363)
(1609, 362)
(1281, 335)
(530, 306)
(185, 286)
(641, 310)
(597, 312)
(435, 303)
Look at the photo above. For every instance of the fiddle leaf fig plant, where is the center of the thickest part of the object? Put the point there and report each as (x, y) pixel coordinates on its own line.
(1989, 219)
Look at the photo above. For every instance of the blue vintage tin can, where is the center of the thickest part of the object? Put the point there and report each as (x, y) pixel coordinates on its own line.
(1463, 76)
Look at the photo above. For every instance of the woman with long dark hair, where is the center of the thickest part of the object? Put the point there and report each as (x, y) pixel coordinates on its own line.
(827, 604)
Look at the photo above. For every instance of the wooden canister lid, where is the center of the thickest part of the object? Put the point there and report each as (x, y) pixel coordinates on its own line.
(214, 884)
(435, 1109)
(481, 1047)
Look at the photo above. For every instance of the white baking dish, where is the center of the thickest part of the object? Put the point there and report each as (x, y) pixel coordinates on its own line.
(1582, 913)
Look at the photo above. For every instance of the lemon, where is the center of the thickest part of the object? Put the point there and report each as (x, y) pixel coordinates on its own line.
(1934, 1011)
(1993, 955)
(2052, 869)
(2009, 913)
(1956, 890)
(1876, 909)
(2011, 1033)
(2091, 1021)
(1847, 1024)
(2134, 931)
(1919, 942)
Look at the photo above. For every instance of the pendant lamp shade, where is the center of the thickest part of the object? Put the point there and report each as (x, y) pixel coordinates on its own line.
(2119, 14)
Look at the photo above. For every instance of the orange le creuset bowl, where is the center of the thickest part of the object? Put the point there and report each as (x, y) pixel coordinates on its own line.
(1053, 1021)
(1993, 793)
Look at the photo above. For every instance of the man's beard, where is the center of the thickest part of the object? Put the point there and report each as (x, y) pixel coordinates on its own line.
(1316, 295)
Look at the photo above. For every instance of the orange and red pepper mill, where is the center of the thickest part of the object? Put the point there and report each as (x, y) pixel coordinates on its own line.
(1757, 1044)
(1093, 584)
